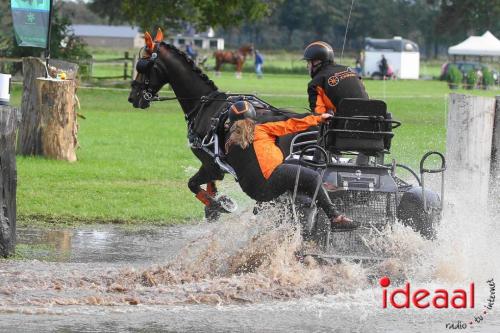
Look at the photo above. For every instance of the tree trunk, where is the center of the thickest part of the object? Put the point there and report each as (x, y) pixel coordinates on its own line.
(29, 132)
(8, 180)
(58, 126)
(31, 136)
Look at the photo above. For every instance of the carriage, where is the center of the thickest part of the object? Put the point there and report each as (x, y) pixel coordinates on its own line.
(349, 154)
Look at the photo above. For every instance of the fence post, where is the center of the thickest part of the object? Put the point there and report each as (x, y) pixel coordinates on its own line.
(133, 72)
(468, 148)
(125, 66)
(8, 179)
(495, 159)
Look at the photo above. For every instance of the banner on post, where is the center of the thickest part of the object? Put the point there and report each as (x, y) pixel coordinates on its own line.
(31, 22)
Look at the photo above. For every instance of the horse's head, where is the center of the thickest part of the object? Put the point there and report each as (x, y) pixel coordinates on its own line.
(246, 49)
(150, 75)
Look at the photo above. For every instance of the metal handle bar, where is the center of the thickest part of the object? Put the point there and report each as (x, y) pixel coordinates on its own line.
(394, 123)
(440, 170)
(427, 155)
(310, 163)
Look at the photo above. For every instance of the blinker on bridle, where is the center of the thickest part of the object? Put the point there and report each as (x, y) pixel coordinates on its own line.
(144, 66)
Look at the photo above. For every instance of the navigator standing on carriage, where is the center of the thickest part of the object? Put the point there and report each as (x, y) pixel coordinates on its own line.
(330, 82)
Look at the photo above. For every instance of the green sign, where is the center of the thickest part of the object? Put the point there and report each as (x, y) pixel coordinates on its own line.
(31, 22)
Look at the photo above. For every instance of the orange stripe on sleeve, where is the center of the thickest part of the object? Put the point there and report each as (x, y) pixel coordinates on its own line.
(323, 103)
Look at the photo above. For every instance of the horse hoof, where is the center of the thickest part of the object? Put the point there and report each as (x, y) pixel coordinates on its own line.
(226, 204)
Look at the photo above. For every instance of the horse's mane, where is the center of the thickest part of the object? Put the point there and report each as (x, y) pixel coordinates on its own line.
(190, 61)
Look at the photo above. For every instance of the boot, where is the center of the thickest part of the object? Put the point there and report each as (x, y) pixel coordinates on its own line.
(343, 223)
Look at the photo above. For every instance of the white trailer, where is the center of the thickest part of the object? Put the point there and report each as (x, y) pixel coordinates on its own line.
(402, 56)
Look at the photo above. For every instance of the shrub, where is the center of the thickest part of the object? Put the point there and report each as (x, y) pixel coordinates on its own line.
(454, 76)
(471, 79)
(488, 79)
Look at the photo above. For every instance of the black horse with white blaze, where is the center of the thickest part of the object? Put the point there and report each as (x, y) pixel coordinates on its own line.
(203, 105)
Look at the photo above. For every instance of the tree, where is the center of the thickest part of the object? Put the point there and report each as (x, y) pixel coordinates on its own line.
(111, 10)
(465, 17)
(6, 34)
(149, 14)
(79, 12)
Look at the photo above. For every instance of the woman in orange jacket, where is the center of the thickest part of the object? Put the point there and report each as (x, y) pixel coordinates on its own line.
(258, 162)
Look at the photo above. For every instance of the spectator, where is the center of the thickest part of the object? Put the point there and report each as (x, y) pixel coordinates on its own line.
(383, 66)
(191, 52)
(259, 61)
(358, 67)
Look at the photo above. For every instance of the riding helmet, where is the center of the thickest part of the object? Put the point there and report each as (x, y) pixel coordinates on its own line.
(319, 51)
(242, 110)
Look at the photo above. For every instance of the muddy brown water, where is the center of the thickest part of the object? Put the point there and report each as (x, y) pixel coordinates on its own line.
(236, 275)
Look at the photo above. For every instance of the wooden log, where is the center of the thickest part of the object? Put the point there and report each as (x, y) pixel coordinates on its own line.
(58, 125)
(29, 142)
(8, 180)
(30, 135)
(468, 148)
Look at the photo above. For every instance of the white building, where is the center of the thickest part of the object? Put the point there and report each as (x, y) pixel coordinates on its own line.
(124, 37)
(402, 56)
(199, 41)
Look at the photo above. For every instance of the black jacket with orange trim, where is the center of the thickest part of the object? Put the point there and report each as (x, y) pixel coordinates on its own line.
(330, 85)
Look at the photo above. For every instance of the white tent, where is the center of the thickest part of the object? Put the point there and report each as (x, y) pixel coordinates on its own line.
(485, 45)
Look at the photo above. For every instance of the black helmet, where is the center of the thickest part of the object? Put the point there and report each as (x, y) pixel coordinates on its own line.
(242, 110)
(319, 51)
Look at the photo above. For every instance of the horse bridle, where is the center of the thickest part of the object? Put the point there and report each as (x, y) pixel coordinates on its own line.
(144, 66)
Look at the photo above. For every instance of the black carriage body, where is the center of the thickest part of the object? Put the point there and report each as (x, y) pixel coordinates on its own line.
(359, 184)
(367, 194)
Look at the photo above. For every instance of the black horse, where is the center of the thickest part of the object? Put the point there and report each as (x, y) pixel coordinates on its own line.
(201, 103)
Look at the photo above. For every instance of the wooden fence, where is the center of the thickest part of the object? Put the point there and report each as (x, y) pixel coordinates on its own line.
(87, 67)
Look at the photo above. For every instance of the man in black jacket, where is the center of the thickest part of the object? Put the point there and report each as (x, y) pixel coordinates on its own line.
(330, 82)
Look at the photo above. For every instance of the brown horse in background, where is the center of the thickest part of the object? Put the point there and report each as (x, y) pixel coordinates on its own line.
(232, 57)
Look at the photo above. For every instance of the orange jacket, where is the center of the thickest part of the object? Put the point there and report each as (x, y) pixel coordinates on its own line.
(268, 154)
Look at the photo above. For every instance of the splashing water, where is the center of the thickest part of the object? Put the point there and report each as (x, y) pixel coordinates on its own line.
(249, 259)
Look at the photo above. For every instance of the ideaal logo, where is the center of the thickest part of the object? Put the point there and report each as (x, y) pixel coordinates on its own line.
(439, 299)
(423, 298)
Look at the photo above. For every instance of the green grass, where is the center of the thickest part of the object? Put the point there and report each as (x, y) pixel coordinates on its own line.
(133, 165)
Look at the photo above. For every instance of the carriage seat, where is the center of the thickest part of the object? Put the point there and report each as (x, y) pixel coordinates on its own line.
(360, 125)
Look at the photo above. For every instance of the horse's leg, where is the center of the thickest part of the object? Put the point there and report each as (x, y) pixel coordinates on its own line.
(207, 197)
(202, 177)
(238, 69)
(217, 66)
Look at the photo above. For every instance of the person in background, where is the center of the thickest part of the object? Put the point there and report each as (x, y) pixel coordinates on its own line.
(383, 66)
(259, 162)
(358, 67)
(259, 61)
(191, 52)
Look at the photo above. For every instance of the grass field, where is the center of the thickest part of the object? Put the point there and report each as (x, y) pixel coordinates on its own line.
(133, 165)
